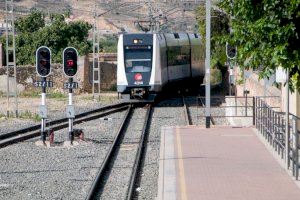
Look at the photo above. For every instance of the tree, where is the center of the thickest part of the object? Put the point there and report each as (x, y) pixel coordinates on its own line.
(33, 32)
(219, 35)
(32, 23)
(267, 35)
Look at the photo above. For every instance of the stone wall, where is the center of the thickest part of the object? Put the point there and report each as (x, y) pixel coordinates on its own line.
(26, 75)
(108, 79)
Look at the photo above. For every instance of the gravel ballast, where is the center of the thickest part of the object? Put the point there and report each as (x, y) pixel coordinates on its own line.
(29, 109)
(118, 179)
(30, 172)
(34, 172)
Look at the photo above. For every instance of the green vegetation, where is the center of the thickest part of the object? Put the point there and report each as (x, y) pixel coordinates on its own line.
(23, 115)
(56, 95)
(267, 35)
(30, 93)
(2, 94)
(216, 76)
(29, 115)
(109, 44)
(35, 93)
(33, 32)
(219, 31)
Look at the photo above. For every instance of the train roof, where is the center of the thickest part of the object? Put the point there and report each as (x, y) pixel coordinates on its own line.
(172, 39)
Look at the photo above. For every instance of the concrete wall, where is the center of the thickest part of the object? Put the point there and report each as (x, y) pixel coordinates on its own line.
(26, 75)
(294, 102)
(259, 87)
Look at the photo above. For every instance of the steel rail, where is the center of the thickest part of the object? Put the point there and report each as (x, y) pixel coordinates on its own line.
(139, 155)
(211, 117)
(54, 122)
(35, 133)
(187, 113)
(109, 156)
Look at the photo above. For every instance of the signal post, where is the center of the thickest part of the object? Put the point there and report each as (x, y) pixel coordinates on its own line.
(70, 68)
(43, 69)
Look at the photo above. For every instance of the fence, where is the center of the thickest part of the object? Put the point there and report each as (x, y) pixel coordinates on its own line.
(232, 108)
(271, 124)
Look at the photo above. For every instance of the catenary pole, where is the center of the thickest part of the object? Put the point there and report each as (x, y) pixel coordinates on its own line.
(207, 64)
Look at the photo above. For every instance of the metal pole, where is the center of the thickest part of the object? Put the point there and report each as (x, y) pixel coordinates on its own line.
(71, 119)
(229, 77)
(98, 61)
(7, 61)
(287, 129)
(94, 50)
(246, 106)
(295, 146)
(207, 64)
(11, 51)
(253, 110)
(15, 65)
(43, 123)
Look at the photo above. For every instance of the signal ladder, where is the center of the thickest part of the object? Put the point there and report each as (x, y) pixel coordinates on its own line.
(11, 70)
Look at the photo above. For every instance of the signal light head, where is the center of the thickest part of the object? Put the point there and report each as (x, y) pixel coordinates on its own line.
(70, 61)
(43, 61)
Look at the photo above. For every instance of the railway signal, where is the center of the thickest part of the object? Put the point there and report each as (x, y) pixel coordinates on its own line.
(43, 61)
(70, 67)
(231, 51)
(70, 55)
(43, 69)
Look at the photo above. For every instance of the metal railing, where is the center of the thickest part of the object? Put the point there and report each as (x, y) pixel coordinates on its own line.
(239, 106)
(271, 124)
(268, 120)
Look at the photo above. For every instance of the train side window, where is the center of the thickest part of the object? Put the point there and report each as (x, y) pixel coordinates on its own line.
(176, 35)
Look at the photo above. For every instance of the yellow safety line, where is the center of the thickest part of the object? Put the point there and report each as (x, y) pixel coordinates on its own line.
(181, 167)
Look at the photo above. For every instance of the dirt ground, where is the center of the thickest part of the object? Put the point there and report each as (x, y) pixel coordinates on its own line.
(28, 107)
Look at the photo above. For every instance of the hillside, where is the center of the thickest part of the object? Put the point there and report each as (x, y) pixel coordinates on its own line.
(123, 15)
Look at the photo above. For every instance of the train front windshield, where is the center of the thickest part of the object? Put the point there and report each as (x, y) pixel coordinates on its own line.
(138, 61)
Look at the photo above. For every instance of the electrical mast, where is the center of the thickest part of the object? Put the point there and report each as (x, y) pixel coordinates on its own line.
(96, 61)
(11, 69)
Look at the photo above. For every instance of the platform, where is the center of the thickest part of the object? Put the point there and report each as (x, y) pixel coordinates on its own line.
(220, 164)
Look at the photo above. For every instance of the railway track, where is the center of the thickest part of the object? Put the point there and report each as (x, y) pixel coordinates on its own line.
(212, 120)
(33, 131)
(127, 147)
(187, 113)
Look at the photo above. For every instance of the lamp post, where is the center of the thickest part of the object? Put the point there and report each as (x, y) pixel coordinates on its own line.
(282, 76)
(287, 128)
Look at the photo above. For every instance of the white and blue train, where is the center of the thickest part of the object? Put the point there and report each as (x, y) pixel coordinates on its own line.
(147, 62)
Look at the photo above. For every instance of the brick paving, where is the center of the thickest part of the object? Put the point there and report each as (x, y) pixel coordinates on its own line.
(220, 164)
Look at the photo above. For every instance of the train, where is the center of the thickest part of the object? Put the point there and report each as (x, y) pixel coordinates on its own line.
(147, 62)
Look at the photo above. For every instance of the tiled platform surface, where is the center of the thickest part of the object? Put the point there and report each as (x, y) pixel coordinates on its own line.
(220, 164)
